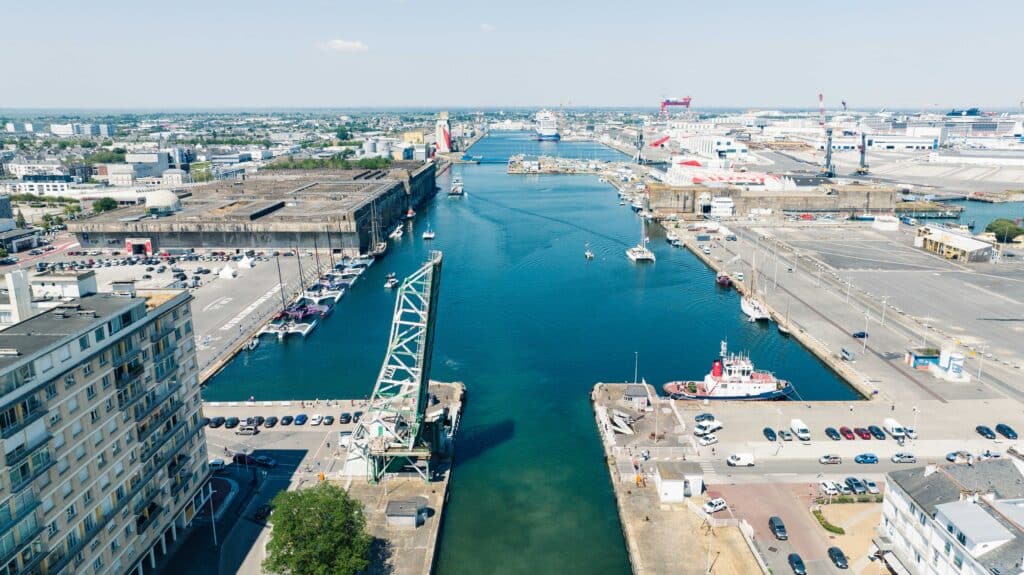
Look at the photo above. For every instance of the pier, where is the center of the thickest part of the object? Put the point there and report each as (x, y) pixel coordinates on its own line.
(522, 164)
(308, 454)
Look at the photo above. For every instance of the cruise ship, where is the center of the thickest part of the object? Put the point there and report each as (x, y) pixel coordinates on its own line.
(547, 125)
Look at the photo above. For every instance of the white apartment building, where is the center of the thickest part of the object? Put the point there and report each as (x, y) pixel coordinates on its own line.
(105, 461)
(955, 519)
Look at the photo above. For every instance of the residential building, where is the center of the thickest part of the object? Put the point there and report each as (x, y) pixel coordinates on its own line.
(962, 519)
(18, 127)
(105, 461)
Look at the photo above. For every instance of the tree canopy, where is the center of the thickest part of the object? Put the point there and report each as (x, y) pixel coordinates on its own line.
(104, 205)
(318, 531)
(1004, 229)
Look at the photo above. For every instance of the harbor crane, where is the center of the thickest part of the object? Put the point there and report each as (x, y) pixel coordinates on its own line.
(666, 102)
(399, 429)
(828, 170)
(862, 169)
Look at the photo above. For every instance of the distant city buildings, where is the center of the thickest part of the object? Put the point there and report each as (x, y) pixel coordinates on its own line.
(76, 129)
(18, 127)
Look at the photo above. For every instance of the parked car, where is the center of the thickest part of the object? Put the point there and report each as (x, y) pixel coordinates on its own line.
(856, 485)
(263, 512)
(714, 505)
(903, 457)
(769, 434)
(707, 427)
(217, 465)
(217, 421)
(832, 434)
(797, 564)
(876, 432)
(838, 558)
(264, 461)
(871, 486)
(953, 456)
(860, 334)
(243, 459)
(830, 459)
(1006, 431)
(270, 421)
(866, 458)
(985, 431)
(704, 417)
(231, 422)
(846, 432)
(287, 420)
(301, 419)
(316, 420)
(345, 417)
(256, 420)
(777, 527)
(328, 420)
(785, 435)
(828, 488)
(356, 416)
(862, 432)
(910, 432)
(740, 460)
(708, 440)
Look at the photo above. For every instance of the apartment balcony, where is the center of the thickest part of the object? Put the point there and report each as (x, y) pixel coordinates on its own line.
(23, 511)
(133, 373)
(120, 359)
(163, 373)
(35, 413)
(160, 419)
(166, 329)
(143, 523)
(18, 455)
(20, 545)
(157, 442)
(125, 402)
(168, 351)
(172, 387)
(37, 471)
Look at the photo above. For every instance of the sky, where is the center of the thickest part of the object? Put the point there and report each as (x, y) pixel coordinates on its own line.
(212, 54)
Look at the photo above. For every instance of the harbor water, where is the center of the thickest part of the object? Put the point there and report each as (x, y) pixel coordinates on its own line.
(530, 325)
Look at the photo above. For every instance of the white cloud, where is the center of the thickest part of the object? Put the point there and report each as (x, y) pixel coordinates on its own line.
(488, 27)
(344, 46)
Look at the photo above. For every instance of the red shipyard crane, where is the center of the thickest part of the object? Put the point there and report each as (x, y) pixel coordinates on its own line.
(666, 102)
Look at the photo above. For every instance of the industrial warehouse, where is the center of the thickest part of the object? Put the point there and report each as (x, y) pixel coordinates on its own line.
(350, 211)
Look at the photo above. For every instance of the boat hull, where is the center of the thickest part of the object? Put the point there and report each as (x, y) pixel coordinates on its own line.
(678, 392)
(548, 137)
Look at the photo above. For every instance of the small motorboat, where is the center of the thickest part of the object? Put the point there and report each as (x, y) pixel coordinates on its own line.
(429, 234)
(391, 282)
(397, 234)
(253, 343)
(410, 214)
(589, 254)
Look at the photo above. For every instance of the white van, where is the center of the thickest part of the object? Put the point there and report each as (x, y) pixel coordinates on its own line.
(707, 427)
(800, 429)
(246, 430)
(894, 428)
(741, 460)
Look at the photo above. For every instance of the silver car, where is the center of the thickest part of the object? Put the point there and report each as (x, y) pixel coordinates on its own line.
(904, 457)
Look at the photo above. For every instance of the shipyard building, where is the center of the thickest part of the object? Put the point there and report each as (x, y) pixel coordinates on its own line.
(723, 201)
(348, 211)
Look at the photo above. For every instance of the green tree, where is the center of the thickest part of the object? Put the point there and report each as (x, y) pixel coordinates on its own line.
(104, 205)
(47, 220)
(3, 252)
(1004, 229)
(19, 220)
(343, 134)
(71, 209)
(318, 531)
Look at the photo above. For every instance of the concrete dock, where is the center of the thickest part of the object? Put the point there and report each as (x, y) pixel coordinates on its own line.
(303, 452)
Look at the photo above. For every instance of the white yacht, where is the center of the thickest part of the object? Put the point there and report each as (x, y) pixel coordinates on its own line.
(640, 252)
(429, 234)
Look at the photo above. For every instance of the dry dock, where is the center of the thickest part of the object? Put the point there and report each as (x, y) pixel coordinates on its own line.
(305, 452)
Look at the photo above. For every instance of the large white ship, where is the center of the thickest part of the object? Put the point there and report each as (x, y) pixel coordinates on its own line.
(547, 125)
(732, 377)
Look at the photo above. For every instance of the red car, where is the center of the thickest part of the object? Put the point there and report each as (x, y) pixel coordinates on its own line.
(862, 432)
(846, 432)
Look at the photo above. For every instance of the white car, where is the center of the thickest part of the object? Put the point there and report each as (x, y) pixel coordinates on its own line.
(717, 504)
(217, 465)
(317, 419)
(871, 486)
(828, 488)
(904, 457)
(707, 428)
(910, 432)
(344, 437)
(708, 440)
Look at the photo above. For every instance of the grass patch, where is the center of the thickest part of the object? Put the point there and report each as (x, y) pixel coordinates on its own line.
(826, 525)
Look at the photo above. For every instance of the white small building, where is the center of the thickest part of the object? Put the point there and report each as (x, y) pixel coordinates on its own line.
(677, 480)
(722, 207)
(406, 513)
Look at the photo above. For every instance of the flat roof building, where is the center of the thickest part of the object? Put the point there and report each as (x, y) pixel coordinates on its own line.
(340, 209)
(105, 461)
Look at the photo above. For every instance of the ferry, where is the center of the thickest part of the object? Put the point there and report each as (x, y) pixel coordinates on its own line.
(547, 126)
(457, 187)
(732, 377)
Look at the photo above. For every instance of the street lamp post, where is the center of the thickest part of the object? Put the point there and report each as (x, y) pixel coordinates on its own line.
(981, 359)
(916, 410)
(885, 302)
(866, 318)
(213, 519)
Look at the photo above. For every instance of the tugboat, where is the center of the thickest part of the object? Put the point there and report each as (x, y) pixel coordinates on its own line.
(723, 280)
(732, 377)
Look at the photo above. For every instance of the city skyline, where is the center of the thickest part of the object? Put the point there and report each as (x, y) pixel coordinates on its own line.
(397, 54)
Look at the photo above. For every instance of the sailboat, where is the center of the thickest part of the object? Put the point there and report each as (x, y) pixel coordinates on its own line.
(750, 303)
(640, 252)
(782, 326)
(380, 246)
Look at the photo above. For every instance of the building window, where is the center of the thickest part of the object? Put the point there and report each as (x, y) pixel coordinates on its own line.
(83, 475)
(87, 498)
(73, 404)
(100, 336)
(87, 370)
(958, 562)
(90, 392)
(51, 531)
(79, 452)
(106, 381)
(76, 428)
(97, 565)
(51, 391)
(94, 415)
(103, 359)
(58, 439)
(70, 512)
(69, 380)
(83, 342)
(62, 465)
